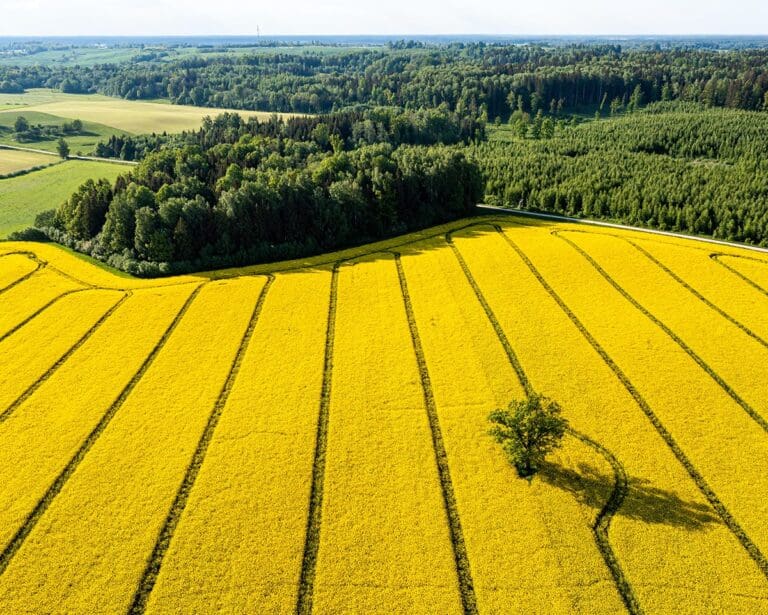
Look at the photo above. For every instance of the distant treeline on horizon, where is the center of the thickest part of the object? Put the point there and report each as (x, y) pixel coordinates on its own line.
(693, 40)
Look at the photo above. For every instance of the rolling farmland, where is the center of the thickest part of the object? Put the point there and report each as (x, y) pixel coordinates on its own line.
(312, 436)
(23, 197)
(13, 161)
(135, 117)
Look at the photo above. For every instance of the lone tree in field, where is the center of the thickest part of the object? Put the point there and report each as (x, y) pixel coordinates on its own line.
(63, 148)
(21, 124)
(527, 430)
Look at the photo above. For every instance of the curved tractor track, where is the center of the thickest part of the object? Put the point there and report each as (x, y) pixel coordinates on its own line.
(39, 264)
(620, 488)
(602, 522)
(722, 511)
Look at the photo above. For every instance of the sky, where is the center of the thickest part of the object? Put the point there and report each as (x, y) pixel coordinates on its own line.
(513, 17)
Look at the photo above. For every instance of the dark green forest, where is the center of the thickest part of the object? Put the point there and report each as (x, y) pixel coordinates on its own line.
(671, 167)
(400, 137)
(251, 198)
(489, 79)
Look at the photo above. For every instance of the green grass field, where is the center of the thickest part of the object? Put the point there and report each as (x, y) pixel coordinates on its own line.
(84, 142)
(23, 197)
(12, 161)
(77, 56)
(126, 115)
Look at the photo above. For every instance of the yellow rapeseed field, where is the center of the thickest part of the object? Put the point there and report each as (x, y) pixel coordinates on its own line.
(130, 477)
(14, 267)
(740, 360)
(24, 300)
(561, 363)
(239, 544)
(312, 436)
(700, 415)
(470, 374)
(753, 270)
(44, 433)
(384, 533)
(27, 354)
(702, 273)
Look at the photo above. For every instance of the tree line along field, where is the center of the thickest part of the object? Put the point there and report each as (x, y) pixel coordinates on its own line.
(312, 436)
(23, 197)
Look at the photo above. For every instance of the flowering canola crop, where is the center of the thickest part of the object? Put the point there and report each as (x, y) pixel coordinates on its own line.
(703, 273)
(14, 268)
(380, 461)
(311, 436)
(132, 473)
(239, 544)
(22, 301)
(562, 364)
(508, 524)
(26, 355)
(753, 270)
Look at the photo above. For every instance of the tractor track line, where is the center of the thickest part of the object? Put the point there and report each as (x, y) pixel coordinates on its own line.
(753, 414)
(698, 295)
(58, 484)
(314, 515)
(604, 517)
(39, 265)
(155, 561)
(460, 555)
(680, 281)
(60, 361)
(716, 257)
(39, 311)
(728, 519)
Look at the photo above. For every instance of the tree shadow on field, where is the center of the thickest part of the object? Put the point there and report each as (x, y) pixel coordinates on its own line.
(642, 503)
(481, 224)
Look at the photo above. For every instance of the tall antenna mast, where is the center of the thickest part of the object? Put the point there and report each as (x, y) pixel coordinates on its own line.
(258, 34)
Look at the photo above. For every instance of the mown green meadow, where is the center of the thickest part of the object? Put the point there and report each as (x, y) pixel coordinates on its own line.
(23, 197)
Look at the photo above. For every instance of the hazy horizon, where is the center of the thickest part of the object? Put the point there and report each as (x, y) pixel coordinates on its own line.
(147, 18)
(393, 35)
